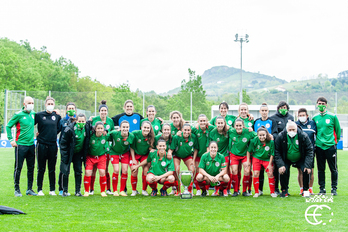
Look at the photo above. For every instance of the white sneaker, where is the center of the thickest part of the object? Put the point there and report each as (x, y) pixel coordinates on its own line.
(173, 192)
(145, 193)
(109, 192)
(91, 192)
(207, 192)
(40, 193)
(256, 194)
(260, 192)
(53, 193)
(198, 193)
(274, 195)
(134, 193)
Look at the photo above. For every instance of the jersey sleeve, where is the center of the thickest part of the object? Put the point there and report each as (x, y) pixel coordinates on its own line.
(212, 121)
(116, 119)
(171, 165)
(9, 125)
(251, 146)
(133, 140)
(149, 157)
(272, 148)
(202, 163)
(195, 143)
(174, 143)
(223, 162)
(337, 128)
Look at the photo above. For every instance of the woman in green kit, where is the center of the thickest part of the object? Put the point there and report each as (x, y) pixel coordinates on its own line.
(182, 148)
(177, 122)
(166, 136)
(151, 116)
(143, 143)
(239, 139)
(243, 113)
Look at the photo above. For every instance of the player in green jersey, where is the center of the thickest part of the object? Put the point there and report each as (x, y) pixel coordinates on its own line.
(223, 109)
(328, 135)
(166, 136)
(143, 143)
(243, 113)
(262, 150)
(155, 122)
(177, 122)
(213, 170)
(161, 170)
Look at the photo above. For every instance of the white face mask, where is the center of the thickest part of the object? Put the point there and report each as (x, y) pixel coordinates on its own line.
(292, 134)
(30, 107)
(50, 108)
(302, 119)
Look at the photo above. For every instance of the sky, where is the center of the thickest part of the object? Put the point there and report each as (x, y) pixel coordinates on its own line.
(151, 44)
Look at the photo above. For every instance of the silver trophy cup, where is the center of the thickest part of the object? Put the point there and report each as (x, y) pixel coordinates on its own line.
(186, 179)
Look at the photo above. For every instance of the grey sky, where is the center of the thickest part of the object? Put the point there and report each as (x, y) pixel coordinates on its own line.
(153, 43)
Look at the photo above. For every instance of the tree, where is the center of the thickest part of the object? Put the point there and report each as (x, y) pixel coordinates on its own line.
(123, 93)
(246, 97)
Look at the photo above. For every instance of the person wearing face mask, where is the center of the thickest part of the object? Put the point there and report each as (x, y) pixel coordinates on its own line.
(48, 127)
(309, 127)
(328, 135)
(281, 118)
(293, 147)
(23, 144)
(73, 149)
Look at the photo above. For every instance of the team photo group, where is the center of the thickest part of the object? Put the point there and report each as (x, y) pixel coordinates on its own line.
(228, 154)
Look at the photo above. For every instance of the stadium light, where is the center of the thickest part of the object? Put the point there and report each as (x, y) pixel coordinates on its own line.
(241, 39)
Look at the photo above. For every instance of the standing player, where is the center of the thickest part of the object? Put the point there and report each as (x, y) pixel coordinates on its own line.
(143, 142)
(177, 122)
(182, 148)
(96, 157)
(202, 131)
(73, 148)
(329, 133)
(239, 139)
(262, 150)
(155, 122)
(166, 136)
(128, 115)
(109, 126)
(48, 127)
(23, 144)
(223, 108)
(243, 113)
(161, 170)
(213, 169)
(119, 151)
(310, 128)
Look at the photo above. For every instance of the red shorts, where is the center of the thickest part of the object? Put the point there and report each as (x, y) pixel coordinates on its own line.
(198, 159)
(115, 159)
(99, 161)
(236, 159)
(183, 159)
(139, 158)
(227, 159)
(258, 163)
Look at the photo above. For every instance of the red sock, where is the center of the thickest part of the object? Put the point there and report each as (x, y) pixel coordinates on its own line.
(102, 182)
(196, 182)
(271, 182)
(239, 177)
(216, 188)
(190, 187)
(92, 183)
(235, 183)
(256, 184)
(207, 187)
(230, 182)
(245, 183)
(250, 180)
(134, 181)
(87, 182)
(167, 185)
(224, 185)
(153, 185)
(124, 178)
(108, 187)
(114, 181)
(202, 185)
(178, 189)
(144, 182)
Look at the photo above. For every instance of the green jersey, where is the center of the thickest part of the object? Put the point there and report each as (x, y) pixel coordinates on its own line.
(97, 145)
(293, 153)
(184, 147)
(24, 122)
(173, 129)
(261, 151)
(212, 166)
(108, 125)
(229, 120)
(248, 123)
(156, 125)
(202, 138)
(119, 145)
(222, 141)
(328, 130)
(159, 166)
(156, 141)
(80, 135)
(239, 142)
(140, 145)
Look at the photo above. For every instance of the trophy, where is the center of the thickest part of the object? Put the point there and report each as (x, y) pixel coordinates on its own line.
(186, 179)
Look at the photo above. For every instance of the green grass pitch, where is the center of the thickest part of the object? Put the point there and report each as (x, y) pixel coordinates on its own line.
(94, 213)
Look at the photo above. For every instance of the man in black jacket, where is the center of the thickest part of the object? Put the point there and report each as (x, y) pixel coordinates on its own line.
(293, 147)
(73, 148)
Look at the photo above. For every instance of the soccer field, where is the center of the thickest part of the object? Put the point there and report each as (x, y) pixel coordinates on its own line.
(94, 213)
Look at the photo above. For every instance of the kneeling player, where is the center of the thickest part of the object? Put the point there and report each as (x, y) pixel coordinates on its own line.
(212, 170)
(161, 170)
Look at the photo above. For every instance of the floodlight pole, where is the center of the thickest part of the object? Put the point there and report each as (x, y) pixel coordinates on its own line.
(241, 39)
